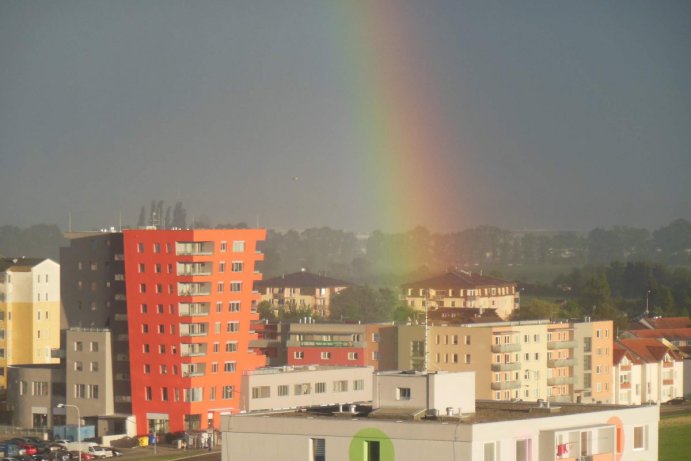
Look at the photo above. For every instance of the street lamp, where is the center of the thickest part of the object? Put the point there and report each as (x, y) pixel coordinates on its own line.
(647, 295)
(79, 426)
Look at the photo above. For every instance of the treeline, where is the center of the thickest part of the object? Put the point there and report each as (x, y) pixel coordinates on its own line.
(39, 241)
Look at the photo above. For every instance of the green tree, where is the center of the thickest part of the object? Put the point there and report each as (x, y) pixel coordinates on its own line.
(537, 309)
(365, 304)
(266, 311)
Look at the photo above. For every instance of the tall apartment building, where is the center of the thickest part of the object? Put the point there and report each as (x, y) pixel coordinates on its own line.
(174, 308)
(463, 290)
(528, 360)
(29, 312)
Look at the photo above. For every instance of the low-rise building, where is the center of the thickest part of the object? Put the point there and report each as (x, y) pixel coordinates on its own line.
(461, 290)
(424, 416)
(301, 289)
(295, 387)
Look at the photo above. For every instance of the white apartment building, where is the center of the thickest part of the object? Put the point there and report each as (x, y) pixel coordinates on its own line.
(434, 416)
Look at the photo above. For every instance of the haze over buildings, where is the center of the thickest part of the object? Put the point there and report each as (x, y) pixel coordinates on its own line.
(355, 115)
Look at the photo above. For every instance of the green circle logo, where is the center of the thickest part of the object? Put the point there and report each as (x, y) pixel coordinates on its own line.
(371, 443)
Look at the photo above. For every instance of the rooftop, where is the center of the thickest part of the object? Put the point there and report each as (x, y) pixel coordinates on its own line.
(302, 279)
(452, 280)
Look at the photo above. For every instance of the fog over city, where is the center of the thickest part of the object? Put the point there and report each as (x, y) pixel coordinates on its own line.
(354, 115)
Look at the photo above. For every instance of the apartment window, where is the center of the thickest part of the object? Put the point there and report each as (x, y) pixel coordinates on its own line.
(164, 394)
(233, 327)
(161, 348)
(303, 389)
(220, 287)
(261, 392)
(216, 347)
(319, 388)
(157, 247)
(523, 450)
(157, 268)
(466, 359)
(219, 307)
(402, 393)
(283, 390)
(639, 438)
(298, 355)
(145, 348)
(358, 384)
(147, 369)
(80, 391)
(147, 393)
(318, 450)
(352, 355)
(454, 358)
(217, 327)
(235, 287)
(238, 246)
(224, 246)
(237, 266)
(375, 355)
(93, 366)
(222, 266)
(536, 338)
(375, 337)
(214, 367)
(142, 268)
(161, 328)
(372, 450)
(229, 367)
(490, 451)
(145, 328)
(231, 346)
(341, 386)
(143, 308)
(325, 355)
(163, 369)
(234, 306)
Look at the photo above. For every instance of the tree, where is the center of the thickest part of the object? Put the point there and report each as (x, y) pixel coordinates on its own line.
(266, 311)
(537, 309)
(365, 304)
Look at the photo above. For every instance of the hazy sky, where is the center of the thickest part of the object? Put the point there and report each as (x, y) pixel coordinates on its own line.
(351, 114)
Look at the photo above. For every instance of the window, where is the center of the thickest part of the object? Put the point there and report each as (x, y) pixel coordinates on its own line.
(163, 369)
(372, 450)
(233, 327)
(325, 355)
(228, 392)
(142, 268)
(235, 287)
(523, 450)
(298, 355)
(142, 287)
(222, 266)
(216, 347)
(358, 384)
(157, 268)
(219, 287)
(224, 246)
(319, 388)
(489, 451)
(352, 355)
(93, 366)
(147, 393)
(402, 393)
(639, 438)
(78, 346)
(318, 450)
(147, 369)
(157, 247)
(234, 306)
(303, 389)
(161, 348)
(466, 359)
(238, 246)
(229, 367)
(237, 266)
(341, 386)
(145, 348)
(77, 366)
(261, 392)
(145, 328)
(375, 337)
(143, 308)
(164, 394)
(282, 390)
(231, 346)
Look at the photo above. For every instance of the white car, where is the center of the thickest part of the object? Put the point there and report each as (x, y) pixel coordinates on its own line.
(99, 452)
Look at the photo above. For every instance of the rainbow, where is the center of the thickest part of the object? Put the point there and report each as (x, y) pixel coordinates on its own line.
(401, 133)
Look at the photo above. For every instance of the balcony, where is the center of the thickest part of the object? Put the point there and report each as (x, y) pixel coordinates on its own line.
(194, 289)
(193, 350)
(556, 363)
(667, 382)
(562, 344)
(332, 343)
(193, 309)
(190, 370)
(196, 268)
(511, 347)
(194, 248)
(625, 385)
(504, 385)
(560, 380)
(194, 329)
(506, 366)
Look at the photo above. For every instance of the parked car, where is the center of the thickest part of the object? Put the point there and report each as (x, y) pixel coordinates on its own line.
(677, 401)
(74, 454)
(99, 452)
(112, 451)
(29, 449)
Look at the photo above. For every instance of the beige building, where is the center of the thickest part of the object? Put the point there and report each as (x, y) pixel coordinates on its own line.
(529, 360)
(435, 416)
(463, 290)
(29, 312)
(301, 289)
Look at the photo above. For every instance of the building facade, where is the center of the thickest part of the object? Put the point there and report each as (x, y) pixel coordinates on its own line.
(301, 289)
(463, 290)
(29, 312)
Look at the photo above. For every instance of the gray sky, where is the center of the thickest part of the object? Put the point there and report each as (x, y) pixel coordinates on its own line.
(525, 115)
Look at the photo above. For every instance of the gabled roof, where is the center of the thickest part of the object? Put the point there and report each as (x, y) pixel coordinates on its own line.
(457, 280)
(669, 334)
(666, 322)
(648, 350)
(619, 352)
(19, 264)
(302, 279)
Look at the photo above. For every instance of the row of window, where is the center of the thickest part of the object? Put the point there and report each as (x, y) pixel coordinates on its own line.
(324, 355)
(238, 246)
(194, 288)
(283, 390)
(194, 394)
(196, 268)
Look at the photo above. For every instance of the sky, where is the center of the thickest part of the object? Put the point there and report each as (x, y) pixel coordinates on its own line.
(357, 115)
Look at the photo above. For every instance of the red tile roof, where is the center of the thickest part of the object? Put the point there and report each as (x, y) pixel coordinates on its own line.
(667, 322)
(457, 280)
(648, 350)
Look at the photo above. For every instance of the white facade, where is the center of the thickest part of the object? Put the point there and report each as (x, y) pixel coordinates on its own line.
(295, 387)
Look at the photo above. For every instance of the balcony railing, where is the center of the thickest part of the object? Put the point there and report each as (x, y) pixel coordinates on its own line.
(498, 386)
(506, 366)
(562, 344)
(511, 347)
(556, 363)
(561, 380)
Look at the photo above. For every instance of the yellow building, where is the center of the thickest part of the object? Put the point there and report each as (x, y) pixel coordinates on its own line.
(29, 312)
(463, 290)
